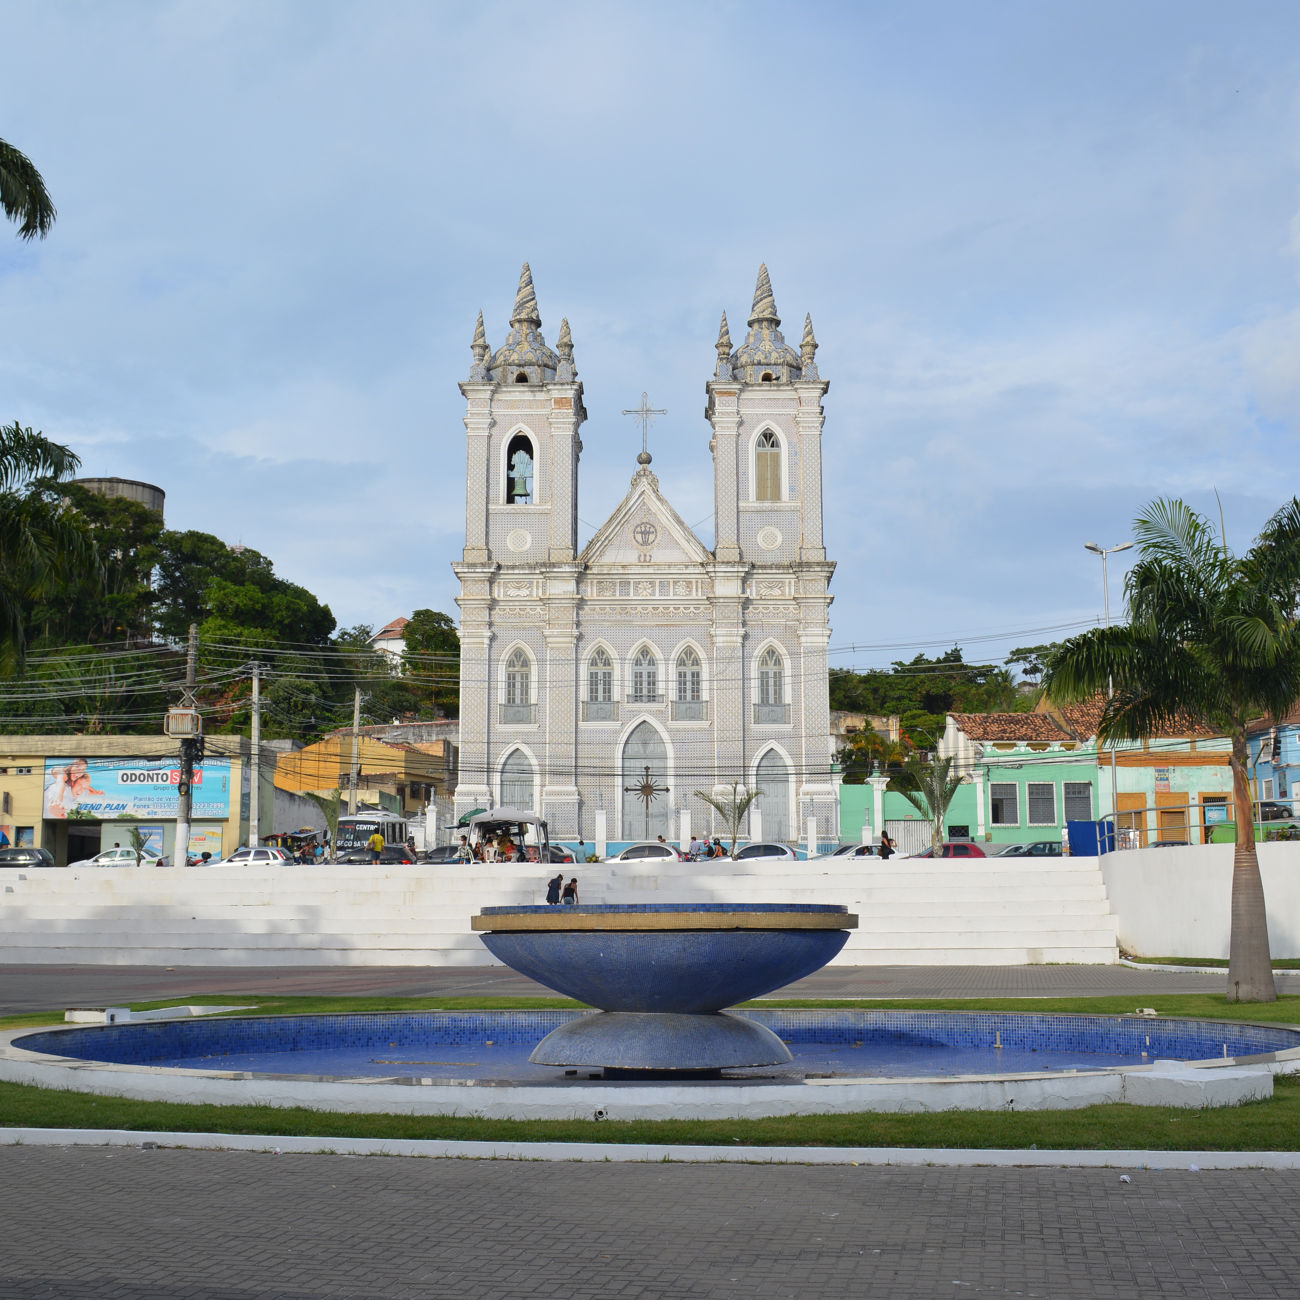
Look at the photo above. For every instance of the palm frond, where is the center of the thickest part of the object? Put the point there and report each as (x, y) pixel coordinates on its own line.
(23, 196)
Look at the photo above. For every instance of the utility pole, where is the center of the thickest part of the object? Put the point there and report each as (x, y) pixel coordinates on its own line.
(356, 758)
(1105, 552)
(255, 763)
(186, 723)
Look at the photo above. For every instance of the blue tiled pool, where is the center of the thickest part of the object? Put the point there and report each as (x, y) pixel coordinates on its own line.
(493, 1046)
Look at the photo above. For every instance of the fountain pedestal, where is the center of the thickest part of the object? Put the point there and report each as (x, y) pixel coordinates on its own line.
(661, 973)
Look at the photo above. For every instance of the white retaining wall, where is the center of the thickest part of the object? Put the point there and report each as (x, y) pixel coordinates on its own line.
(1177, 902)
(919, 912)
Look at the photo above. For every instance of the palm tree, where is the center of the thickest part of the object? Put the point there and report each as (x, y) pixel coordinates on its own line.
(732, 810)
(1211, 637)
(23, 195)
(42, 541)
(929, 787)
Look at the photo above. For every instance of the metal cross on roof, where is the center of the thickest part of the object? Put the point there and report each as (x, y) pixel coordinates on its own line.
(647, 791)
(646, 413)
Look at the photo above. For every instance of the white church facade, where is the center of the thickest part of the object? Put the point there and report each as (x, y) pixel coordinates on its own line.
(605, 687)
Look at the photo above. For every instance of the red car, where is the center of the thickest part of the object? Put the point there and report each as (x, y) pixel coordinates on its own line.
(954, 849)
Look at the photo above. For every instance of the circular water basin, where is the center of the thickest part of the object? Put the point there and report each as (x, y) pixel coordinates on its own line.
(493, 1047)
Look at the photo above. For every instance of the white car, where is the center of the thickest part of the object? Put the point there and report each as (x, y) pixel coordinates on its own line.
(118, 857)
(765, 850)
(261, 857)
(648, 849)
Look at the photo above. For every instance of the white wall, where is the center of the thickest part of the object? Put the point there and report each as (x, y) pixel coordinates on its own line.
(1177, 902)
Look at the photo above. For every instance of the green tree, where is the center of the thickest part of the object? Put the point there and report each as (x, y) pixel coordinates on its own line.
(732, 809)
(43, 542)
(929, 786)
(867, 750)
(431, 660)
(1211, 636)
(23, 196)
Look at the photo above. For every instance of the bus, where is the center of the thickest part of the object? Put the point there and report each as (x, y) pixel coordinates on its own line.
(355, 829)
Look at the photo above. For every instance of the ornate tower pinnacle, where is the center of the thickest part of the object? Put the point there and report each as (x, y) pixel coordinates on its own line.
(525, 312)
(480, 349)
(723, 369)
(764, 308)
(565, 372)
(808, 350)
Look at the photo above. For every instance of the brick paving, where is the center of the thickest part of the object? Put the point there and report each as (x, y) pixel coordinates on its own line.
(40, 987)
(90, 1223)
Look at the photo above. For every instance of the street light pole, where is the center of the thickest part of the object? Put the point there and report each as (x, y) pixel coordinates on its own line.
(1104, 552)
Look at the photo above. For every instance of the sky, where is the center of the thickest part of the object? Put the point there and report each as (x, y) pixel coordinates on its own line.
(1051, 252)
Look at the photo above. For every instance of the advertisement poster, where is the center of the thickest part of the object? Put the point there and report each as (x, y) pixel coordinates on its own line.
(205, 839)
(103, 789)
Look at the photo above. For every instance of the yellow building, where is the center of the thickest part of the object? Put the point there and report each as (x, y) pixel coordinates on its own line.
(409, 775)
(79, 795)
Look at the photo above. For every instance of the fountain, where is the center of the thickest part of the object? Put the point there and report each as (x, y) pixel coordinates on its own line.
(661, 974)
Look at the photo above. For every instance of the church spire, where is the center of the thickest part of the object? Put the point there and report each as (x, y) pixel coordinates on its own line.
(565, 372)
(525, 312)
(764, 309)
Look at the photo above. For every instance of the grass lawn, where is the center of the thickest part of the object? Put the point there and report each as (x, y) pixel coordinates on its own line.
(1279, 963)
(1259, 1126)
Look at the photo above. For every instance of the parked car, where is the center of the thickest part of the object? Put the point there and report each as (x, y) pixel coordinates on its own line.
(1272, 811)
(389, 855)
(559, 853)
(647, 849)
(851, 851)
(765, 850)
(26, 857)
(1032, 849)
(263, 856)
(443, 853)
(118, 857)
(954, 849)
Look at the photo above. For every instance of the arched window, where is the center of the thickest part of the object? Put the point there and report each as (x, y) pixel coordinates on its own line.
(517, 782)
(767, 467)
(518, 703)
(647, 804)
(599, 705)
(688, 699)
(771, 705)
(773, 784)
(645, 677)
(600, 677)
(521, 378)
(519, 471)
(689, 675)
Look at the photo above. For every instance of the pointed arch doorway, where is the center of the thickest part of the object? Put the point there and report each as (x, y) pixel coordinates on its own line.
(645, 818)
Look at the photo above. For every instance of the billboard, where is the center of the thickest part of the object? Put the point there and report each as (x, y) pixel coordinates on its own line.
(102, 789)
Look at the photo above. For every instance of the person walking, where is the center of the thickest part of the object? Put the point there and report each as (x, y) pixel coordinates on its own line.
(553, 888)
(570, 894)
(376, 846)
(886, 846)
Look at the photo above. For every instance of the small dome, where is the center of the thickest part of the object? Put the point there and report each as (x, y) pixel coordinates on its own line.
(524, 357)
(765, 356)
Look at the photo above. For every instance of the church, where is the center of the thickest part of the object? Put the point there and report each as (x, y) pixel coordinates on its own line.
(604, 688)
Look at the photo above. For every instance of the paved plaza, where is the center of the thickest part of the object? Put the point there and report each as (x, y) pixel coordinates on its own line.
(130, 1224)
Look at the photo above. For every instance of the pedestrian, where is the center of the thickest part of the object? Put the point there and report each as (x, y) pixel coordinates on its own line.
(697, 849)
(886, 846)
(463, 851)
(570, 894)
(376, 846)
(553, 888)
(662, 840)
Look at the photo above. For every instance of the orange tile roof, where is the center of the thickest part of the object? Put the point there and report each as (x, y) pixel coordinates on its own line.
(1009, 726)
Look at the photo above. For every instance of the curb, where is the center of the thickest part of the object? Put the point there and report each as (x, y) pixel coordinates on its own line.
(631, 1153)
